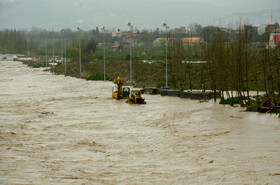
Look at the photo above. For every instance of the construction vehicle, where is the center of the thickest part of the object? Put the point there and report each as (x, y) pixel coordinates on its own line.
(126, 92)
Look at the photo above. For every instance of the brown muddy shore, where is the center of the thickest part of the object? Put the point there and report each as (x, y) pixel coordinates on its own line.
(63, 130)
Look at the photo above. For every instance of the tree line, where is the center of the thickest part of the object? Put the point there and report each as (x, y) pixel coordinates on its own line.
(235, 64)
(13, 41)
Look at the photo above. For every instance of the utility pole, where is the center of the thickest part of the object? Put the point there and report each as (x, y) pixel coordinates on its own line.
(103, 29)
(27, 49)
(80, 51)
(65, 47)
(130, 27)
(62, 48)
(166, 45)
(27, 44)
(53, 50)
(46, 48)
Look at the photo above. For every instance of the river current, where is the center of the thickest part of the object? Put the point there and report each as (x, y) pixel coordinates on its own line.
(63, 130)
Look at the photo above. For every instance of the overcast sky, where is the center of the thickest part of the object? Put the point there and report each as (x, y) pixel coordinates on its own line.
(89, 14)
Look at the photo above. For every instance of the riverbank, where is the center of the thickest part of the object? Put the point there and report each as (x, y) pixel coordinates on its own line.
(151, 81)
(195, 75)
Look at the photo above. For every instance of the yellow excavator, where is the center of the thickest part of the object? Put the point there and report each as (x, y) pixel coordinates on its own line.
(126, 92)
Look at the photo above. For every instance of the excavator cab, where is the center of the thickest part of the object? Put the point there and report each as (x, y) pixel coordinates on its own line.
(126, 92)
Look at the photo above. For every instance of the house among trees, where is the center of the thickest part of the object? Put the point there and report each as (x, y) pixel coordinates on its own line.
(274, 40)
(117, 48)
(180, 30)
(119, 33)
(270, 28)
(158, 41)
(124, 33)
(185, 40)
(250, 31)
(227, 30)
(191, 40)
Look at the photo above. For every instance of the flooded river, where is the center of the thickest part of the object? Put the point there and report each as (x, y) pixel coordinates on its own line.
(62, 130)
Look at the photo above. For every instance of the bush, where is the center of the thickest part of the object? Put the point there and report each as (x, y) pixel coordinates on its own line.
(159, 85)
(97, 77)
(253, 108)
(235, 100)
(37, 65)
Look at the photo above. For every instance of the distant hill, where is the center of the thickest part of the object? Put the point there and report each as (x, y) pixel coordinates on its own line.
(88, 14)
(256, 18)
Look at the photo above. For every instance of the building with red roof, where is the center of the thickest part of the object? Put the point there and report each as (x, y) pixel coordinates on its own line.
(192, 40)
(185, 40)
(274, 40)
(124, 33)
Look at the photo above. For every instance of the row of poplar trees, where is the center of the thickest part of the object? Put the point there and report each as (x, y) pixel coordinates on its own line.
(235, 65)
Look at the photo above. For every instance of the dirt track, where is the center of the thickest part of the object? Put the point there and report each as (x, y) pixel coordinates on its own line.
(63, 130)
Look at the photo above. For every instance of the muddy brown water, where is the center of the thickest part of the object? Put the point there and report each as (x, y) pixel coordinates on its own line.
(62, 130)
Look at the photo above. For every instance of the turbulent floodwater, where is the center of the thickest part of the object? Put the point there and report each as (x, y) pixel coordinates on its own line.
(63, 130)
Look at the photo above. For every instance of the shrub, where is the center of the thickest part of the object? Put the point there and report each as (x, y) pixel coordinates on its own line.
(253, 108)
(235, 100)
(97, 77)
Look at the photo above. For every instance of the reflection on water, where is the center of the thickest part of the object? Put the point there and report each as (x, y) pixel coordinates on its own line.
(57, 129)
